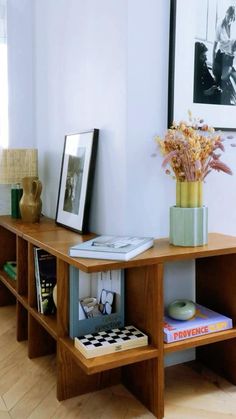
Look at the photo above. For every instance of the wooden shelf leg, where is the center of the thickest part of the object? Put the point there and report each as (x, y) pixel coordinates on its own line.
(40, 342)
(72, 381)
(144, 309)
(145, 381)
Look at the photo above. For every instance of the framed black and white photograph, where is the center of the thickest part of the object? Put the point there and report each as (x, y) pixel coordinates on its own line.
(77, 173)
(202, 65)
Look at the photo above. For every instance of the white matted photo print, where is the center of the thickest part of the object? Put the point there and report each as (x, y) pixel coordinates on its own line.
(202, 65)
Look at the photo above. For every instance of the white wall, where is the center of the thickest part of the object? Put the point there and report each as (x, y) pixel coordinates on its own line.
(81, 62)
(20, 23)
(104, 64)
(20, 36)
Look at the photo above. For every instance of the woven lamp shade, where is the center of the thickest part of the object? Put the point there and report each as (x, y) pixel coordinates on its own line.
(17, 163)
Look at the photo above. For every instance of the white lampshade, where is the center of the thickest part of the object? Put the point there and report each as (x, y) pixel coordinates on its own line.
(16, 163)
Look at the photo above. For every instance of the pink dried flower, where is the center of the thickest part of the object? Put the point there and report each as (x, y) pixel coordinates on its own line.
(220, 166)
(189, 150)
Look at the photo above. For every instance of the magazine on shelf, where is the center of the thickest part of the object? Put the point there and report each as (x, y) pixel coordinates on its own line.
(205, 321)
(45, 277)
(111, 247)
(106, 342)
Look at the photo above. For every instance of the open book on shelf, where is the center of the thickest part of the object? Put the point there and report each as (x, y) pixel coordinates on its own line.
(111, 247)
(204, 321)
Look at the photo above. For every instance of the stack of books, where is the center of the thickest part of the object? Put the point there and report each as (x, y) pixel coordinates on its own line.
(112, 247)
(109, 341)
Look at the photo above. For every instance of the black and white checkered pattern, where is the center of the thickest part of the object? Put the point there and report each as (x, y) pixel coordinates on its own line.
(111, 340)
(109, 337)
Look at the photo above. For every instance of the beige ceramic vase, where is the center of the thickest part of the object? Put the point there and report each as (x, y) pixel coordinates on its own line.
(30, 203)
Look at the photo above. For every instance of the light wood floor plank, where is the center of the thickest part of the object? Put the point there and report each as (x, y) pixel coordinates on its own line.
(179, 412)
(2, 405)
(4, 415)
(37, 392)
(47, 406)
(26, 382)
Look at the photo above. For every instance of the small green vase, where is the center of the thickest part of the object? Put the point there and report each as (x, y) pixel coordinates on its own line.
(188, 194)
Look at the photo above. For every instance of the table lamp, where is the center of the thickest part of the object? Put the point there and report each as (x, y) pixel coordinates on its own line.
(16, 163)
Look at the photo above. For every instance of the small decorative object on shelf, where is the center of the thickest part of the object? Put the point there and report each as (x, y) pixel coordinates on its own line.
(106, 342)
(11, 269)
(191, 151)
(30, 203)
(204, 321)
(111, 247)
(181, 309)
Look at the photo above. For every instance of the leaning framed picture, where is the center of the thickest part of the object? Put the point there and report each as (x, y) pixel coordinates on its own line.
(202, 64)
(90, 287)
(76, 180)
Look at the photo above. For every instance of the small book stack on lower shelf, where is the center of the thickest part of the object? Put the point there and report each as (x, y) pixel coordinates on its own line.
(10, 268)
(109, 341)
(205, 321)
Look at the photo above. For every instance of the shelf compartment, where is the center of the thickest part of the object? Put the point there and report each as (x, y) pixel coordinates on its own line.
(200, 340)
(49, 323)
(8, 282)
(109, 361)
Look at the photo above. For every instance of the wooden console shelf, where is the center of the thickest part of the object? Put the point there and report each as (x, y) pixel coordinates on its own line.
(140, 369)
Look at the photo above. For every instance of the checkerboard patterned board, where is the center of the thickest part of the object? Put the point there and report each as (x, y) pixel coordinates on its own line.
(109, 341)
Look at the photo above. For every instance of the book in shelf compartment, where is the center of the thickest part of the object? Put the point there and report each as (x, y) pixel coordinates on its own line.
(111, 247)
(45, 277)
(109, 341)
(11, 269)
(204, 321)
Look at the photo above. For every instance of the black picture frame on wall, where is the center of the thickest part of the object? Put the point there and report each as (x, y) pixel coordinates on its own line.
(76, 180)
(195, 82)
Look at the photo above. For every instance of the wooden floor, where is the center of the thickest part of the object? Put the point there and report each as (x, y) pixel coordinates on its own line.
(27, 389)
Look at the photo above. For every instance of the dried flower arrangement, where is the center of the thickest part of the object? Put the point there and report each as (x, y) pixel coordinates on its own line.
(190, 149)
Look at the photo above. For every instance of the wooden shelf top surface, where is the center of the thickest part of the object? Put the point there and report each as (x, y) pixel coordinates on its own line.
(57, 240)
(18, 227)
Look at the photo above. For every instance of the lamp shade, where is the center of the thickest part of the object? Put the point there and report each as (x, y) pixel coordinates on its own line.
(16, 163)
